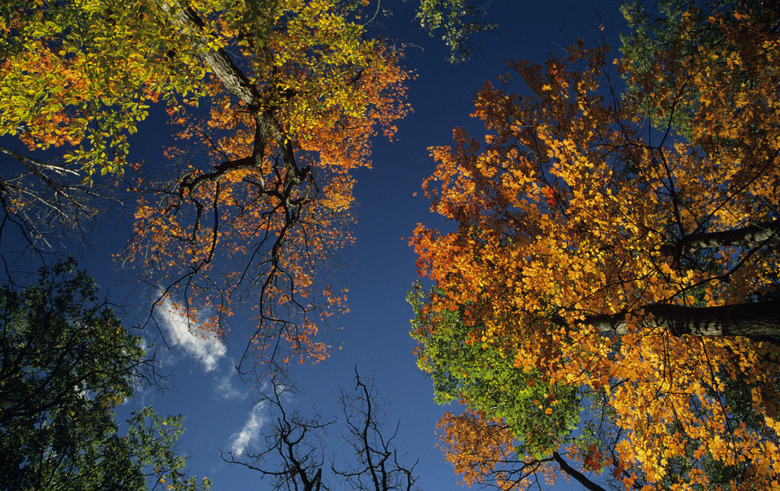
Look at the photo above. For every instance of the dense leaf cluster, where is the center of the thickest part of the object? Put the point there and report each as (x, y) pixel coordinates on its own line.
(66, 363)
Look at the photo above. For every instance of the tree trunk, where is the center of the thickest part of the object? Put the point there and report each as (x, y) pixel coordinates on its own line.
(218, 60)
(235, 82)
(759, 232)
(758, 321)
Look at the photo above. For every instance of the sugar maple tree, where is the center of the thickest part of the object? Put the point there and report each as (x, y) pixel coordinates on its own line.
(482, 450)
(607, 253)
(654, 30)
(519, 428)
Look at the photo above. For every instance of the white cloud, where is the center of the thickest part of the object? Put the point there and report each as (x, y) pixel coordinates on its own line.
(251, 431)
(206, 347)
(282, 392)
(226, 390)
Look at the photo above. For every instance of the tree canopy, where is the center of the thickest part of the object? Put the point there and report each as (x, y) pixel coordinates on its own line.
(267, 203)
(611, 250)
(607, 303)
(66, 363)
(276, 104)
(457, 20)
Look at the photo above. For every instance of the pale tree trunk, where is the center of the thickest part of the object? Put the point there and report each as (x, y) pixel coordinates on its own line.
(235, 82)
(758, 321)
(752, 234)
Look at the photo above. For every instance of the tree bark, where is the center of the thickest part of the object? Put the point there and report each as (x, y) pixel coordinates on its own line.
(712, 240)
(758, 321)
(218, 60)
(235, 82)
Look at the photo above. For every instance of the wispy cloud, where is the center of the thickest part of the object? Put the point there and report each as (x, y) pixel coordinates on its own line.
(249, 434)
(226, 390)
(205, 347)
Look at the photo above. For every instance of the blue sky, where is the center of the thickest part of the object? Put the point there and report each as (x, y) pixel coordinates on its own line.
(220, 410)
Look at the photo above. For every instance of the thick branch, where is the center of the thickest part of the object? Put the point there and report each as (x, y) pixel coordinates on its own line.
(37, 168)
(46, 196)
(712, 240)
(219, 172)
(34, 164)
(218, 60)
(759, 321)
(577, 475)
(234, 80)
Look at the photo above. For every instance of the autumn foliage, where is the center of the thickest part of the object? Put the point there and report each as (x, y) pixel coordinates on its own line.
(254, 216)
(599, 247)
(273, 108)
(82, 75)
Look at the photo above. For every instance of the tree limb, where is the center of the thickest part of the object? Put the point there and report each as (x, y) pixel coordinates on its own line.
(759, 321)
(759, 232)
(577, 475)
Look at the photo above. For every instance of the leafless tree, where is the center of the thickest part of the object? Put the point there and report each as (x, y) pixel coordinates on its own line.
(295, 447)
(377, 465)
